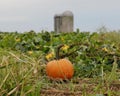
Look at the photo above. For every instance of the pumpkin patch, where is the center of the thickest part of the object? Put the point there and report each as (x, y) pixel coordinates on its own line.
(37, 64)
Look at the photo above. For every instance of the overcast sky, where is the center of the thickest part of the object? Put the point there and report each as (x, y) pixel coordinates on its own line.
(26, 15)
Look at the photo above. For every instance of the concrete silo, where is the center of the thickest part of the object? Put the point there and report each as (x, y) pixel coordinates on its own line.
(64, 22)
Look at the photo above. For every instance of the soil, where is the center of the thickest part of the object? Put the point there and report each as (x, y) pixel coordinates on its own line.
(81, 87)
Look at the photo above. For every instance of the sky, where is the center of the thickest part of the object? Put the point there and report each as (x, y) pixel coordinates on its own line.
(37, 15)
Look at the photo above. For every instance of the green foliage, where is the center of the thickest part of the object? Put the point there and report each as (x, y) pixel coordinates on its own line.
(23, 58)
(46, 36)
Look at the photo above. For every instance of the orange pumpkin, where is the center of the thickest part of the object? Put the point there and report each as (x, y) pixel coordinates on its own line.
(60, 69)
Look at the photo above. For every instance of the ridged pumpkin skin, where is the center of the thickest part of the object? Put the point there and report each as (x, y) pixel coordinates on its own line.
(60, 69)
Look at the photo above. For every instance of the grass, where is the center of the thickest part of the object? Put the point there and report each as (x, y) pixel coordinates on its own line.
(23, 74)
(19, 74)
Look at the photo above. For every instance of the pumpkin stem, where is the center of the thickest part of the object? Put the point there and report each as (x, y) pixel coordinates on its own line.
(58, 51)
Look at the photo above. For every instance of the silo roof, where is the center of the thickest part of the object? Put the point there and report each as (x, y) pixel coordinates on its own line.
(67, 13)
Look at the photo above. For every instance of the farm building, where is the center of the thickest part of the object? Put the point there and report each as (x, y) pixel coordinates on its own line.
(63, 22)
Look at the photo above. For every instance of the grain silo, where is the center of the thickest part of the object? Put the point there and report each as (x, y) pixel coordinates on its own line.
(63, 22)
